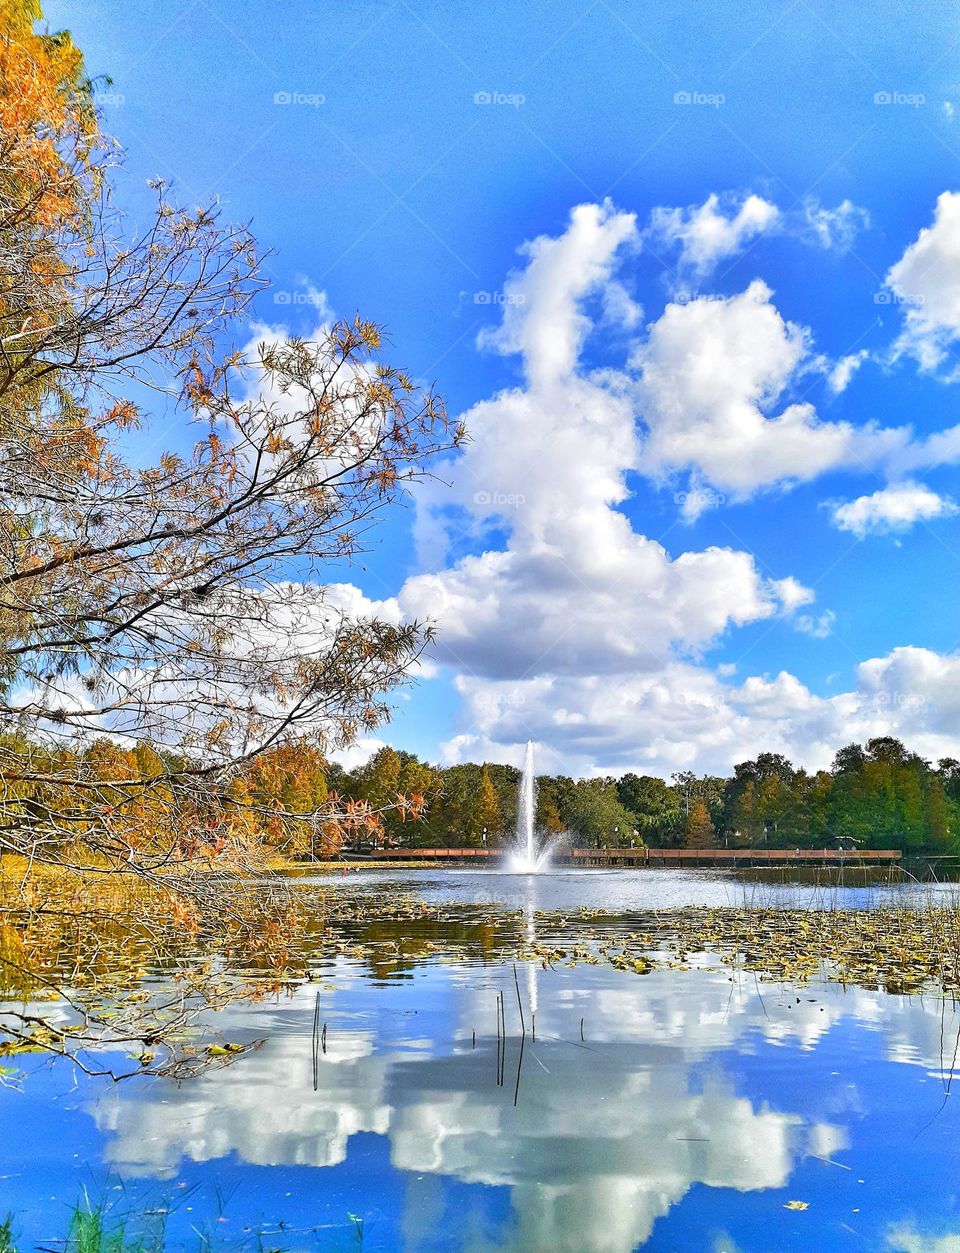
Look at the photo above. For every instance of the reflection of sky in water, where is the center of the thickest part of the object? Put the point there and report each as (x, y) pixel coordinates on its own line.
(694, 1108)
(627, 890)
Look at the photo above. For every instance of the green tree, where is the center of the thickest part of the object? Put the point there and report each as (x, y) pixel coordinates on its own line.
(655, 806)
(596, 817)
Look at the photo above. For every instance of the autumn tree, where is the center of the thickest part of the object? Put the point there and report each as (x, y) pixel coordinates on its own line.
(485, 815)
(180, 604)
(698, 830)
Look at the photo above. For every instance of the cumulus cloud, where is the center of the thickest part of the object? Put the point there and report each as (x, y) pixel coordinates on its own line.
(895, 508)
(686, 716)
(709, 233)
(904, 1238)
(926, 283)
(723, 226)
(566, 624)
(715, 377)
(818, 626)
(542, 318)
(358, 753)
(574, 589)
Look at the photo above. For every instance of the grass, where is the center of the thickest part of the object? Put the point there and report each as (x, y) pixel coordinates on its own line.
(91, 1232)
(94, 1228)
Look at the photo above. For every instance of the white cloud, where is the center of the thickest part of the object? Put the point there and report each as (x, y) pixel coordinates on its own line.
(574, 589)
(926, 282)
(708, 233)
(560, 594)
(905, 1239)
(834, 229)
(792, 593)
(895, 508)
(684, 716)
(819, 626)
(838, 378)
(724, 226)
(714, 394)
(542, 318)
(358, 753)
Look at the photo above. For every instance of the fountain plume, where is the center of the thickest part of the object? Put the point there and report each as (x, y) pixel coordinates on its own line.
(526, 857)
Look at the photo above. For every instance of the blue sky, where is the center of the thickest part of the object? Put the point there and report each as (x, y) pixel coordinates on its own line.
(698, 517)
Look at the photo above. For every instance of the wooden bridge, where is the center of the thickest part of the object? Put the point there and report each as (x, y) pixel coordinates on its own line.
(646, 856)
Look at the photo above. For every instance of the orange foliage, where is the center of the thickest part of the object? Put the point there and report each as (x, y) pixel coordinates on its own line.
(48, 141)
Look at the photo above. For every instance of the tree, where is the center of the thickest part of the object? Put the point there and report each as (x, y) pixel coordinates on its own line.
(849, 760)
(380, 779)
(485, 814)
(158, 604)
(548, 814)
(743, 818)
(655, 806)
(596, 817)
(699, 831)
(179, 605)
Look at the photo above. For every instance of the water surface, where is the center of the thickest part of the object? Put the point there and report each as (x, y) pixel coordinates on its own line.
(679, 1110)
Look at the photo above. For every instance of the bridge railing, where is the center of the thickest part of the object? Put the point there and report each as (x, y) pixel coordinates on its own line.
(646, 855)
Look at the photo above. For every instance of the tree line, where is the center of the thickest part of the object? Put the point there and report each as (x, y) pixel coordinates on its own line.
(877, 795)
(291, 801)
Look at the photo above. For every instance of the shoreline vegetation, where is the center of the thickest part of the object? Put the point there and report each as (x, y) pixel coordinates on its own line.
(293, 801)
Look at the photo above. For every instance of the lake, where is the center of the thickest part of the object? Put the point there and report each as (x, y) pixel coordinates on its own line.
(702, 1108)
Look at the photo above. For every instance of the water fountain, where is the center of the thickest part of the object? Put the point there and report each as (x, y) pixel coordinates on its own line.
(525, 856)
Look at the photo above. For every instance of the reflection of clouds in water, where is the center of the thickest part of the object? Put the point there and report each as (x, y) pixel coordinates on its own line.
(826, 1140)
(916, 1032)
(593, 1159)
(605, 1139)
(265, 1109)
